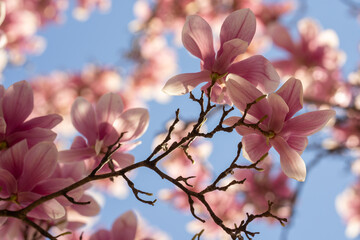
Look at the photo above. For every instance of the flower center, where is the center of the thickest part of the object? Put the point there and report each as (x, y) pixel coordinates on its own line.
(3, 145)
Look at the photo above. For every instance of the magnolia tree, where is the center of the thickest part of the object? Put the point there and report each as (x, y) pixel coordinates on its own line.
(64, 134)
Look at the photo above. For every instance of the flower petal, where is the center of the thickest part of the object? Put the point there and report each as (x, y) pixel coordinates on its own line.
(243, 92)
(123, 159)
(133, 123)
(242, 130)
(48, 121)
(124, 227)
(51, 209)
(186, 82)
(2, 125)
(84, 120)
(8, 184)
(291, 162)
(278, 114)
(231, 49)
(292, 93)
(298, 143)
(91, 209)
(308, 123)
(17, 104)
(109, 107)
(281, 37)
(39, 163)
(255, 146)
(259, 71)
(13, 159)
(240, 24)
(74, 155)
(101, 234)
(198, 40)
(33, 136)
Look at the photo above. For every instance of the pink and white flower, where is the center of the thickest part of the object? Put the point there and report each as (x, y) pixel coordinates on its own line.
(17, 103)
(287, 134)
(102, 126)
(236, 34)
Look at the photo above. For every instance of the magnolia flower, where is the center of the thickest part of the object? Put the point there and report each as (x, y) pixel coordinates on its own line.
(17, 103)
(236, 34)
(26, 175)
(129, 226)
(286, 134)
(102, 127)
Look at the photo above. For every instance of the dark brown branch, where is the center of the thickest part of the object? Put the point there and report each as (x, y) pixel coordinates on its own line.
(72, 200)
(137, 191)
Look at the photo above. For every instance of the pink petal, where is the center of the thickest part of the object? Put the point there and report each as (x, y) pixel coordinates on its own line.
(281, 37)
(259, 71)
(79, 142)
(48, 121)
(74, 155)
(84, 120)
(8, 184)
(231, 49)
(124, 227)
(240, 24)
(242, 130)
(291, 162)
(53, 209)
(101, 234)
(308, 123)
(298, 143)
(91, 209)
(52, 185)
(133, 123)
(12, 159)
(50, 209)
(255, 146)
(109, 107)
(243, 92)
(39, 163)
(279, 111)
(123, 159)
(2, 91)
(17, 104)
(2, 125)
(292, 93)
(186, 82)
(75, 170)
(33, 136)
(198, 40)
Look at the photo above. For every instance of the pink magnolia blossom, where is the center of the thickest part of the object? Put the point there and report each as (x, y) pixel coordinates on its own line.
(128, 227)
(261, 187)
(85, 7)
(102, 125)
(348, 207)
(286, 134)
(236, 34)
(26, 176)
(16, 105)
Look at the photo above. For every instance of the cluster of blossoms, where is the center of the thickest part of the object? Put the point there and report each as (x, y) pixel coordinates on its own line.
(155, 59)
(32, 167)
(316, 60)
(244, 82)
(23, 18)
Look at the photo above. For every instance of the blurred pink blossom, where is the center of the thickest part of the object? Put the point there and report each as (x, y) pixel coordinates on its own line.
(348, 207)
